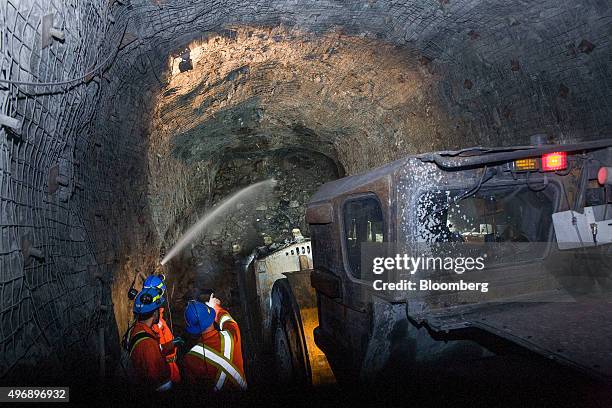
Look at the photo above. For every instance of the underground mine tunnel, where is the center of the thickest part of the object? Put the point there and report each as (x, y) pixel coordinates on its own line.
(125, 122)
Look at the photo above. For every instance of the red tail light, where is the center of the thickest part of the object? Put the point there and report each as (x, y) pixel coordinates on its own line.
(604, 175)
(554, 161)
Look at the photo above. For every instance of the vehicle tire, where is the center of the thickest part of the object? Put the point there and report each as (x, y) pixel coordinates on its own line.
(290, 356)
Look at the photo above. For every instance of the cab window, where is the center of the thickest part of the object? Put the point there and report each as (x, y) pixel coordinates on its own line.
(499, 214)
(363, 222)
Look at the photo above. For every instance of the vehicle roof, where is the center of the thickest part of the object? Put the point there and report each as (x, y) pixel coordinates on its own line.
(346, 184)
(448, 160)
(479, 156)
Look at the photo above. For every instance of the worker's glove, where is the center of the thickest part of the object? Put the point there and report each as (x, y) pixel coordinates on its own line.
(167, 348)
(214, 303)
(170, 347)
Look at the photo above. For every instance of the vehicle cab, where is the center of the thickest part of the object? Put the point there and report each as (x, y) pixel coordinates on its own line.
(540, 216)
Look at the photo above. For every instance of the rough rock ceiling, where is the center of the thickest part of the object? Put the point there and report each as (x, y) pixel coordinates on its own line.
(266, 89)
(358, 101)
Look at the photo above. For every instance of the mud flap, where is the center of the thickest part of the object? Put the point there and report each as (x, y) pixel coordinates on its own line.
(305, 300)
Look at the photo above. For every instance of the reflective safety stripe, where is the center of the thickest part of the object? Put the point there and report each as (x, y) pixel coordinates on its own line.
(165, 386)
(223, 361)
(227, 353)
(137, 338)
(224, 319)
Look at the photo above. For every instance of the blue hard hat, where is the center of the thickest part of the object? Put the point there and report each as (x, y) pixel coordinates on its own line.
(198, 317)
(148, 300)
(155, 281)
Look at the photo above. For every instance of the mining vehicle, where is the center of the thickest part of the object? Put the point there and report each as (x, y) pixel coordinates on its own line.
(542, 213)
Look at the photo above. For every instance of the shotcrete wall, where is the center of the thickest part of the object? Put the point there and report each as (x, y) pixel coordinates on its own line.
(75, 176)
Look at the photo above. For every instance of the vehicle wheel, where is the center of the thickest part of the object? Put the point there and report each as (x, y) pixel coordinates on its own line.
(290, 358)
(282, 356)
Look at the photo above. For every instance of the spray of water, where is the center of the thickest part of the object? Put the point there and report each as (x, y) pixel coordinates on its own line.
(193, 232)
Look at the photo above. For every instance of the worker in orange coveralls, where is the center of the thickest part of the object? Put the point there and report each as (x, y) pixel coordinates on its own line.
(215, 362)
(166, 338)
(150, 367)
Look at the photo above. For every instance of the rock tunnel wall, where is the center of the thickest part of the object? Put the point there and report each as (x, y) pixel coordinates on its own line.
(77, 222)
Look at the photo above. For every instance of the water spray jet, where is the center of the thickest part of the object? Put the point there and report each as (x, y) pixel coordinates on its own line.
(193, 232)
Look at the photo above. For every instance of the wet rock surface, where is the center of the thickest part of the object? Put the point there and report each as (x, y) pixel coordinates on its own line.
(210, 262)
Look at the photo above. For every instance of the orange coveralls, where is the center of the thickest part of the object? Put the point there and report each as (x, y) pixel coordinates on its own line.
(149, 364)
(165, 339)
(215, 363)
